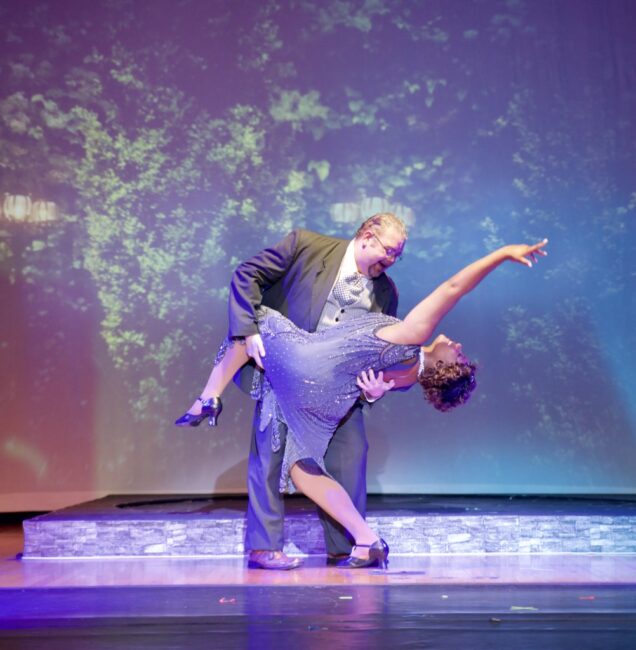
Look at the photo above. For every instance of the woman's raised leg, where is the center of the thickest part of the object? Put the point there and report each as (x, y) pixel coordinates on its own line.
(230, 357)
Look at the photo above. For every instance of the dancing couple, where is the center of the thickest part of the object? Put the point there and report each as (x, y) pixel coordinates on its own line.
(317, 314)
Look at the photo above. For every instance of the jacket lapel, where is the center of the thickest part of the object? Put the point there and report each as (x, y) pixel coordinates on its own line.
(324, 279)
(380, 295)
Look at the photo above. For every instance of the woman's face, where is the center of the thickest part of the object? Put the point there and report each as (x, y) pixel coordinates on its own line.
(448, 351)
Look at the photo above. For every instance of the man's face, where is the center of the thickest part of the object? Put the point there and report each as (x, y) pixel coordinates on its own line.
(381, 250)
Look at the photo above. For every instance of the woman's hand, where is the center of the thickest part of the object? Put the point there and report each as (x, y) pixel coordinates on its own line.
(524, 254)
(373, 386)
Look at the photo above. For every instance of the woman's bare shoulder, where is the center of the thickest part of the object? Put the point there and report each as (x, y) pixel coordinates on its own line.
(398, 333)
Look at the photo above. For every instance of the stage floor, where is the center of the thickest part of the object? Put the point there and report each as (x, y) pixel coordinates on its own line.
(480, 601)
(454, 569)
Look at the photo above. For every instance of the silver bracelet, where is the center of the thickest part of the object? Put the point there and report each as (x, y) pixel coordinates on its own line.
(420, 370)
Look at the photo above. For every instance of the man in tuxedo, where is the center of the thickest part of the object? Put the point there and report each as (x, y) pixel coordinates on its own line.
(316, 281)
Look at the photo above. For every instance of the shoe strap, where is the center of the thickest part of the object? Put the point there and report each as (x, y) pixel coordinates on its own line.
(363, 545)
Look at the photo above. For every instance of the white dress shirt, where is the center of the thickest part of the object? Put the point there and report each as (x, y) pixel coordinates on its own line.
(332, 312)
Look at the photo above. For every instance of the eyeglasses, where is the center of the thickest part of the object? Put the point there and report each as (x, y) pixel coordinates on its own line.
(395, 253)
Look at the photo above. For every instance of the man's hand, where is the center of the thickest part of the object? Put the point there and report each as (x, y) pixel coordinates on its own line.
(373, 387)
(255, 348)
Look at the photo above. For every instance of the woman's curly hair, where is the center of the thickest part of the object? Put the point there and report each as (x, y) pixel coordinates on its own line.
(448, 385)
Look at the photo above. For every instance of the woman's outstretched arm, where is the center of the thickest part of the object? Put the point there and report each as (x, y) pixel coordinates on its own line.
(422, 320)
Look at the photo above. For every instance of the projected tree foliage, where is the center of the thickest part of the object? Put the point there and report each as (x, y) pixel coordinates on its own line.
(177, 138)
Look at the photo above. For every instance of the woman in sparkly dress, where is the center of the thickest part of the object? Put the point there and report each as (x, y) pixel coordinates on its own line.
(313, 379)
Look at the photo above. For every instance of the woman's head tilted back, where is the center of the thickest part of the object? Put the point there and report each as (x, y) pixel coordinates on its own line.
(448, 377)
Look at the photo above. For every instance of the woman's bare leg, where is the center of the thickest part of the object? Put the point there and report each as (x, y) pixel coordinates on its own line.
(333, 499)
(230, 358)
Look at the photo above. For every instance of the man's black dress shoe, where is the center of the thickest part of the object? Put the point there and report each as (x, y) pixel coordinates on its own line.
(334, 560)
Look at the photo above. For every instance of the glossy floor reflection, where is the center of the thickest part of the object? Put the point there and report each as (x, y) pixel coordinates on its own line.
(492, 601)
(430, 570)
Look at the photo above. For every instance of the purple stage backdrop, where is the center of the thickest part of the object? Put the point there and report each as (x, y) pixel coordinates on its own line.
(146, 147)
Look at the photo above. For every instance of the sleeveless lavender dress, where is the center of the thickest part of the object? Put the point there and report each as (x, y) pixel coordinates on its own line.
(312, 377)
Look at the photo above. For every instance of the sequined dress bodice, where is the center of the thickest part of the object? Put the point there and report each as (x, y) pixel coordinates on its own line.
(313, 376)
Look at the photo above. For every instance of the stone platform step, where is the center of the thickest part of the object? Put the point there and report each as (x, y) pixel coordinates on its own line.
(204, 526)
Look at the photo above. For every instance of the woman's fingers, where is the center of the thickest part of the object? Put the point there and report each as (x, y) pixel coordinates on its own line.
(538, 248)
(523, 260)
(527, 254)
(535, 250)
